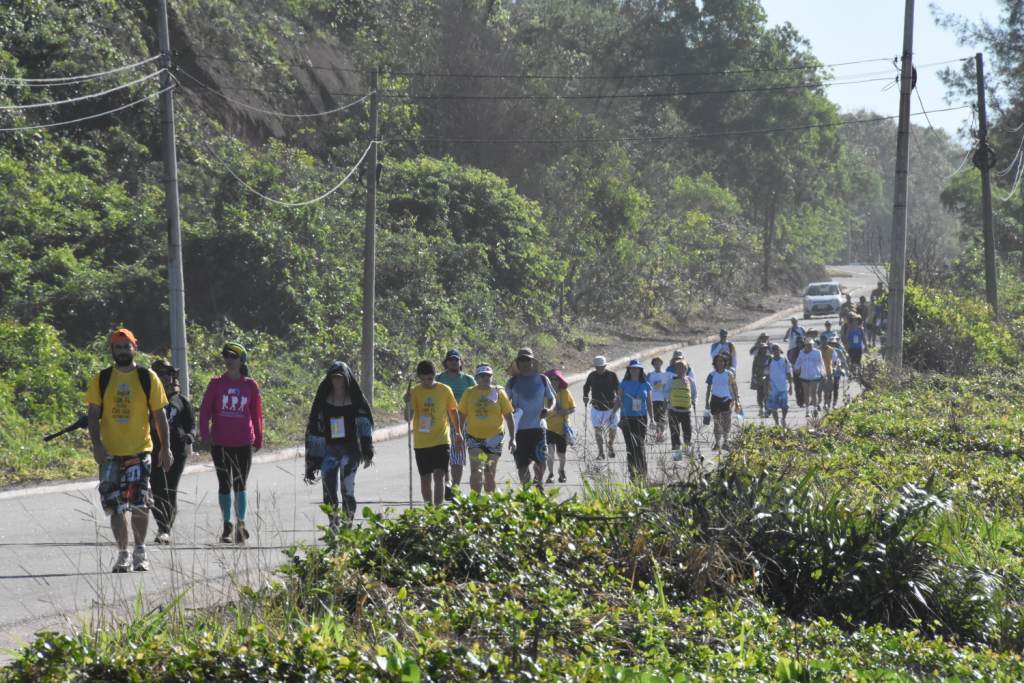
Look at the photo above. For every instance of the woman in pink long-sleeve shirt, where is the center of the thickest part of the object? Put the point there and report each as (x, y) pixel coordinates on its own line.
(231, 420)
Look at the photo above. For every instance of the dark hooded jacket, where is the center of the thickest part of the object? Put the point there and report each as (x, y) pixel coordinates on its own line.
(317, 423)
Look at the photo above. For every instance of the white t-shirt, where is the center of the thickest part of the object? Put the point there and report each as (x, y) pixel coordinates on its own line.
(660, 383)
(721, 383)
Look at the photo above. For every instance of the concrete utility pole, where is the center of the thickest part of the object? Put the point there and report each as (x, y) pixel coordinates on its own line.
(898, 264)
(985, 159)
(370, 245)
(175, 271)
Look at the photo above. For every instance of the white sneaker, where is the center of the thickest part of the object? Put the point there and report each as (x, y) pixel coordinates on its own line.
(123, 565)
(140, 561)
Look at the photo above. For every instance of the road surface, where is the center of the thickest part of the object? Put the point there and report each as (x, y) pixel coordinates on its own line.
(57, 548)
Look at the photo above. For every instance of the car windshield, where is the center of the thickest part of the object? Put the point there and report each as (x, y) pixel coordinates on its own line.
(822, 290)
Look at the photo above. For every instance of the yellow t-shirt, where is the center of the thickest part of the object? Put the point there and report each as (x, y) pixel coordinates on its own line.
(430, 415)
(563, 401)
(484, 410)
(124, 425)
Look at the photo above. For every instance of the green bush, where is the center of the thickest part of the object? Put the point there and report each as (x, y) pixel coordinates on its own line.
(954, 335)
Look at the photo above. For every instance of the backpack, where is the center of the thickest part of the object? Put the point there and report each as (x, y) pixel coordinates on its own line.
(145, 379)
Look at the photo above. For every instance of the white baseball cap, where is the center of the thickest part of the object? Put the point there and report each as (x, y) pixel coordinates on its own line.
(600, 361)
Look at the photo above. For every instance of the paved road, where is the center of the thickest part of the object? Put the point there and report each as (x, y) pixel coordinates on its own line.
(56, 548)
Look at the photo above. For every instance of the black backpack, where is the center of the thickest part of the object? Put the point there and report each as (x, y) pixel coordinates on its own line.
(145, 379)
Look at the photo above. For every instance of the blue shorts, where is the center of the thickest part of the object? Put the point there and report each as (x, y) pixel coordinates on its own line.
(778, 399)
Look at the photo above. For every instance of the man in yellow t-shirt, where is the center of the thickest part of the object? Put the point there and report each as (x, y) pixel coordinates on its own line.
(483, 408)
(122, 401)
(432, 409)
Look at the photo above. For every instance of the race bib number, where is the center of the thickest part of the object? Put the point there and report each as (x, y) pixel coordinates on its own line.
(337, 428)
(638, 405)
(426, 424)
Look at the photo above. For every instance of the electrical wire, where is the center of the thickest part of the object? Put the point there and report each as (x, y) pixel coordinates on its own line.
(69, 80)
(638, 76)
(1013, 162)
(640, 95)
(80, 98)
(662, 138)
(271, 112)
(57, 124)
(924, 109)
(280, 202)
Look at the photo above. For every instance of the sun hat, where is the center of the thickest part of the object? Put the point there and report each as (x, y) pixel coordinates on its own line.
(554, 373)
(600, 362)
(677, 354)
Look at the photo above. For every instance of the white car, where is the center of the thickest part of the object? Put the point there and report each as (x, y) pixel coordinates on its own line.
(822, 298)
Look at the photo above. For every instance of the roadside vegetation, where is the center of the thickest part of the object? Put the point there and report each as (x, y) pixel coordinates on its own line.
(883, 544)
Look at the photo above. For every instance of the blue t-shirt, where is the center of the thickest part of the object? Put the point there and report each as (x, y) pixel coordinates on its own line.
(855, 338)
(528, 394)
(634, 397)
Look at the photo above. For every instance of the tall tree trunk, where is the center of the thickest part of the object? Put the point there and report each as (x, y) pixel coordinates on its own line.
(768, 243)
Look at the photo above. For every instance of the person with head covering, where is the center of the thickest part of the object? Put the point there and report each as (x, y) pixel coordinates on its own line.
(761, 354)
(811, 368)
(532, 398)
(682, 396)
(486, 412)
(340, 431)
(637, 408)
(432, 409)
(231, 421)
(558, 424)
(123, 400)
(601, 393)
(181, 420)
(724, 347)
(458, 381)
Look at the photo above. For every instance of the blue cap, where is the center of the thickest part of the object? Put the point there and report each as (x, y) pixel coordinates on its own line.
(453, 353)
(635, 364)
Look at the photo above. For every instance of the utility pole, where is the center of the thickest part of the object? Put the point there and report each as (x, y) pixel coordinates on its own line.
(370, 245)
(985, 159)
(169, 147)
(898, 264)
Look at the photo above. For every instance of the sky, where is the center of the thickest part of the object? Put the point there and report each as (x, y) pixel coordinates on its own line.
(848, 30)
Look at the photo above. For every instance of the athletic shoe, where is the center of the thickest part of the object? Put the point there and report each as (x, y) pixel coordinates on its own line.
(162, 538)
(241, 533)
(448, 495)
(561, 477)
(551, 478)
(226, 536)
(123, 564)
(140, 562)
(611, 453)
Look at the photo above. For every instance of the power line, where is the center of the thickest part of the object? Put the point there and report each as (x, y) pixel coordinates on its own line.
(57, 124)
(281, 202)
(640, 95)
(639, 76)
(270, 111)
(924, 109)
(80, 98)
(69, 80)
(304, 65)
(661, 138)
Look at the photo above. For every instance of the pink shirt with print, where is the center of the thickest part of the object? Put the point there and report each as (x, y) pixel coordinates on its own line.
(236, 411)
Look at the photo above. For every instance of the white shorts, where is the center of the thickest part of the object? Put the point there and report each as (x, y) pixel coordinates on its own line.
(609, 419)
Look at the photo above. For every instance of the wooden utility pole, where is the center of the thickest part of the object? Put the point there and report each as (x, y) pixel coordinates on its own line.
(898, 264)
(370, 245)
(985, 159)
(169, 149)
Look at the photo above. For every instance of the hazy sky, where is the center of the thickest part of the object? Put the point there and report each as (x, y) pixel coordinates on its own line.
(847, 30)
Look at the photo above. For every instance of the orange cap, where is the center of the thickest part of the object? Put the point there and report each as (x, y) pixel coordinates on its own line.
(124, 335)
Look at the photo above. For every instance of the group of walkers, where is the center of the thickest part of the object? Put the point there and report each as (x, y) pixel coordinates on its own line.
(138, 418)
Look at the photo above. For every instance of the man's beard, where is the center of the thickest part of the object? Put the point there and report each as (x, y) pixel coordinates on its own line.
(123, 360)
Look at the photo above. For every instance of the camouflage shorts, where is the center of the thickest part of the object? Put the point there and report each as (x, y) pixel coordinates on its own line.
(124, 483)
